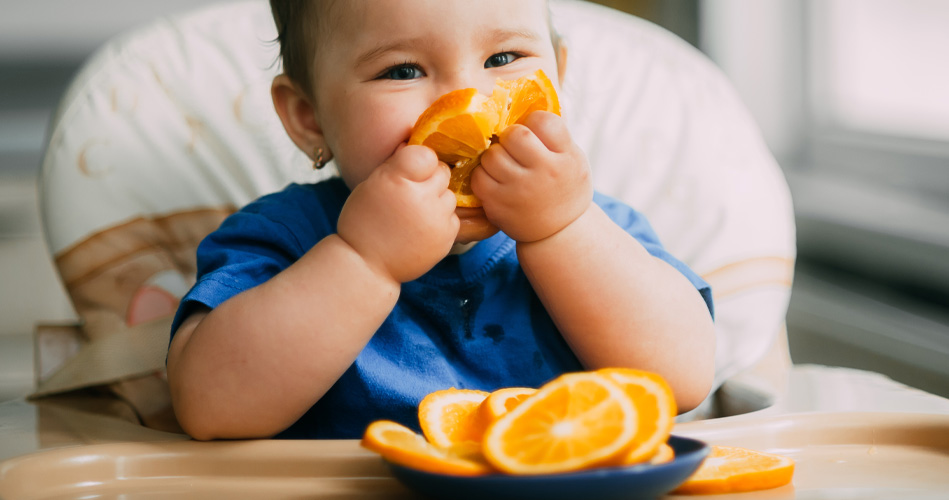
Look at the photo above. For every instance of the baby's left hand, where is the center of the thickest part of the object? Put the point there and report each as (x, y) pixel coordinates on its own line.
(535, 181)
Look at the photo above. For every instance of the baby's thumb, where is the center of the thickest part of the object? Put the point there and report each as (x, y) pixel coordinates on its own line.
(416, 163)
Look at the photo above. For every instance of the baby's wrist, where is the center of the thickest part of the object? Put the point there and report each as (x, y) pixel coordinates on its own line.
(375, 267)
(573, 226)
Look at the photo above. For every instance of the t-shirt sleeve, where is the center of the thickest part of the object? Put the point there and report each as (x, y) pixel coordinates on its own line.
(255, 244)
(639, 227)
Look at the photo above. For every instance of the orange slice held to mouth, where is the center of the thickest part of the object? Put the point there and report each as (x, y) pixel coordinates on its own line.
(460, 125)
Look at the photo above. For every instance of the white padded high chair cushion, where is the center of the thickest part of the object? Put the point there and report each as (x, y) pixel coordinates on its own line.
(175, 121)
(173, 116)
(164, 132)
(665, 131)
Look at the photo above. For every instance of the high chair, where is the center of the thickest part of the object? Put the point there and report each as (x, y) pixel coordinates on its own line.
(170, 128)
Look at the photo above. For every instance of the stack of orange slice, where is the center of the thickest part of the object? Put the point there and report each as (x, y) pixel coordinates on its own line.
(459, 126)
(577, 421)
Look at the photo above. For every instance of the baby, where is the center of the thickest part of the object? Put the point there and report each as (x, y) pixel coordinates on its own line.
(323, 307)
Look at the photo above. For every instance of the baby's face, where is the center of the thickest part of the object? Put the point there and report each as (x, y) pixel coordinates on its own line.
(381, 64)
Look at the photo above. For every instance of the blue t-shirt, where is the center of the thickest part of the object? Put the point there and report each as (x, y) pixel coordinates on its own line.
(472, 322)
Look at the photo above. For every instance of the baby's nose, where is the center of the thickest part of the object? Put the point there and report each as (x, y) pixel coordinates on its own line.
(465, 80)
(486, 86)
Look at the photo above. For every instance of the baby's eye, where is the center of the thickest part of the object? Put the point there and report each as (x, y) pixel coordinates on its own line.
(501, 59)
(402, 72)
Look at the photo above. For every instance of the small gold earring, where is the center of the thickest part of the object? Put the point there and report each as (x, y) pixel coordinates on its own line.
(318, 160)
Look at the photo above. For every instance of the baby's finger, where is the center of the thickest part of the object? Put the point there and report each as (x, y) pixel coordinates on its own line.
(498, 163)
(443, 176)
(415, 163)
(454, 223)
(523, 146)
(483, 185)
(438, 181)
(550, 129)
(447, 202)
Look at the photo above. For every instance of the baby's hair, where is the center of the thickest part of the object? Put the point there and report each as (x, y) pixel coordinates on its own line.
(297, 35)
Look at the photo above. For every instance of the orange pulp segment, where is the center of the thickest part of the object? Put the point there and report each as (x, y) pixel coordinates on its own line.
(534, 92)
(400, 445)
(730, 470)
(459, 125)
(576, 421)
(449, 417)
(655, 405)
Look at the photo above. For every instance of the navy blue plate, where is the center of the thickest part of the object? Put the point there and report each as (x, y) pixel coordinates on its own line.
(642, 481)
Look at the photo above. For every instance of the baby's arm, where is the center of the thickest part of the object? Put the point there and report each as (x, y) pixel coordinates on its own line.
(256, 363)
(614, 303)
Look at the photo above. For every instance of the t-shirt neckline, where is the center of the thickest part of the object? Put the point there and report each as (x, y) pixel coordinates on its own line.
(473, 264)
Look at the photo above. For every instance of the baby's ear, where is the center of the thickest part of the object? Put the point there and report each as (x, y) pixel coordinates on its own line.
(298, 115)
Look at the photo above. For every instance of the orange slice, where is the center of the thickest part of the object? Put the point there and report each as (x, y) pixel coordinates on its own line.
(655, 405)
(577, 421)
(664, 454)
(459, 125)
(525, 95)
(730, 470)
(451, 416)
(400, 445)
(502, 401)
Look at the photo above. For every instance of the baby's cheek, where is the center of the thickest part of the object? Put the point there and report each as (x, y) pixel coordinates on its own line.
(368, 131)
(366, 149)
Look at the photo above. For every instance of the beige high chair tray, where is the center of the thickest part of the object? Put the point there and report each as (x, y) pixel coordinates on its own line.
(843, 455)
(838, 455)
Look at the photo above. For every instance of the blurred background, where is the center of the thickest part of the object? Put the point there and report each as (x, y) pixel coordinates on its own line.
(851, 96)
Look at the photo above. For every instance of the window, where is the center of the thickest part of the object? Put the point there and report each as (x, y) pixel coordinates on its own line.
(878, 98)
(879, 66)
(853, 98)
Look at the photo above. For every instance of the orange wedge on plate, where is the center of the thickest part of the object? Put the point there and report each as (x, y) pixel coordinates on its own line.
(731, 470)
(460, 125)
(449, 417)
(400, 445)
(655, 405)
(577, 421)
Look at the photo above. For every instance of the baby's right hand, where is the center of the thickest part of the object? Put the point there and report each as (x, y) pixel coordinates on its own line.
(401, 219)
